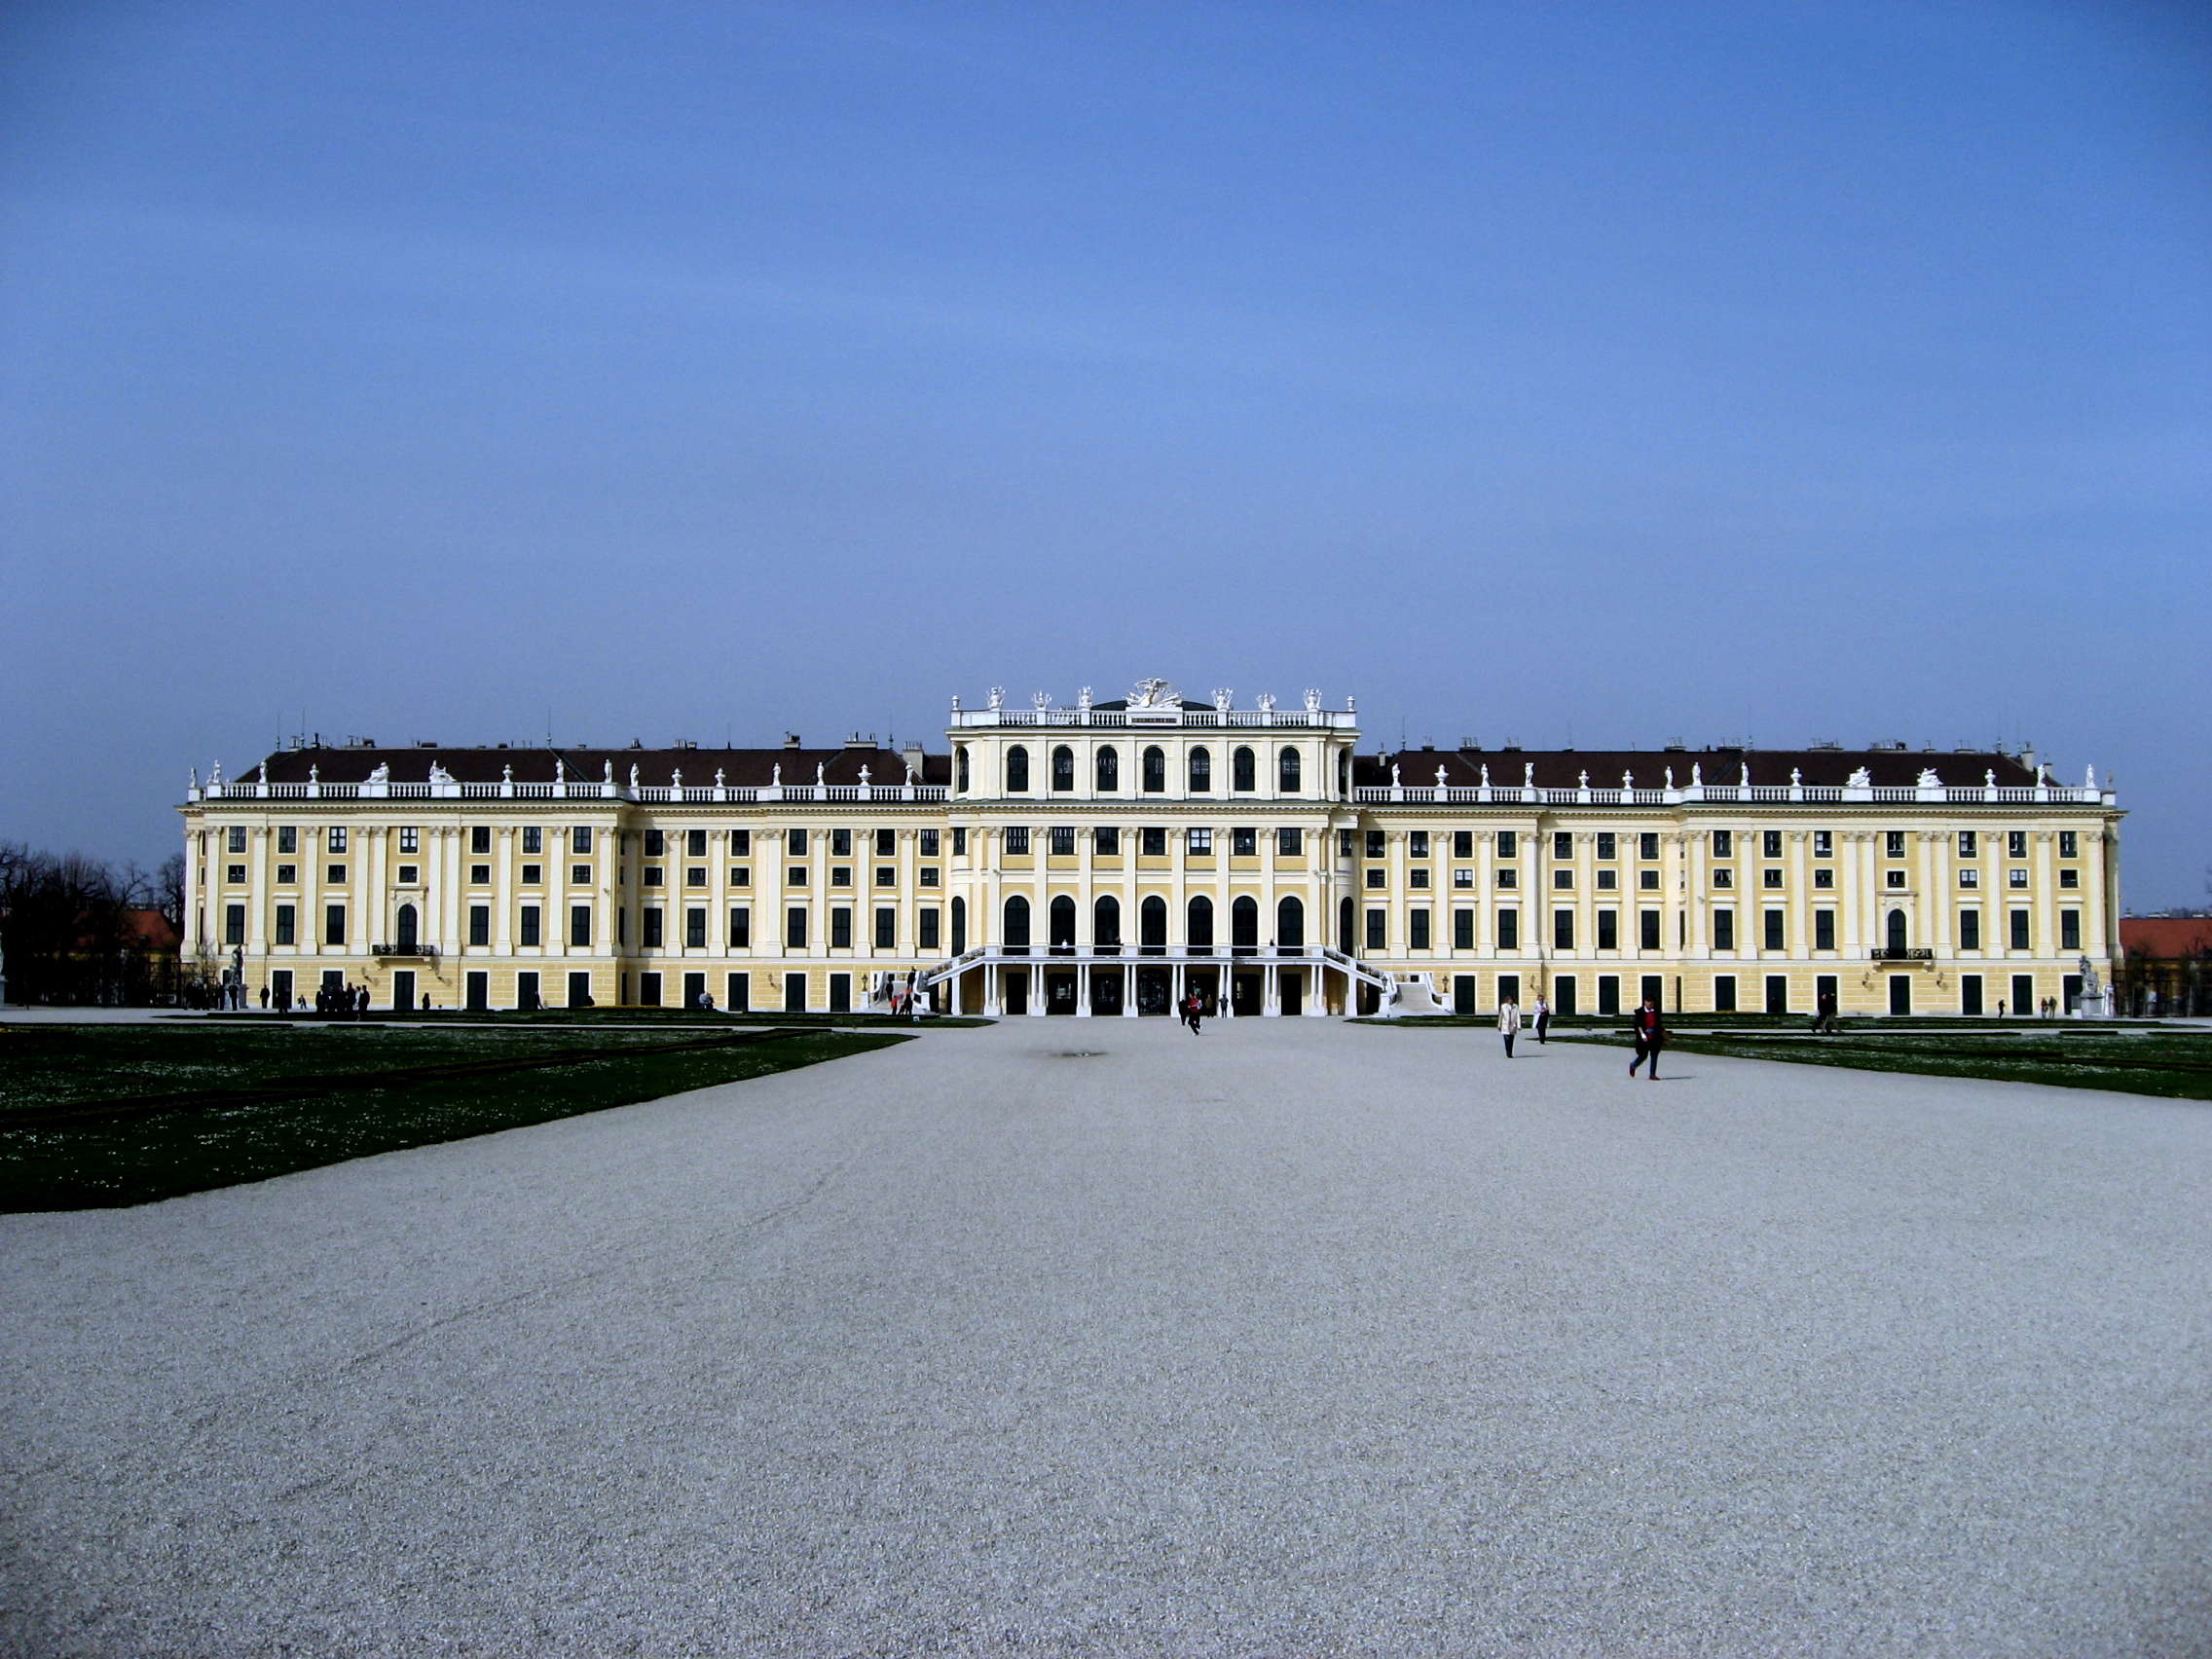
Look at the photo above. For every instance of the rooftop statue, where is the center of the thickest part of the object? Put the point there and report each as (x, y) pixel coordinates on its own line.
(1312, 700)
(998, 696)
(1861, 778)
(381, 772)
(1223, 696)
(440, 775)
(1929, 780)
(1267, 702)
(632, 775)
(1154, 694)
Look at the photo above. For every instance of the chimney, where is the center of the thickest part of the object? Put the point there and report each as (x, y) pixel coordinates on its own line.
(912, 755)
(791, 740)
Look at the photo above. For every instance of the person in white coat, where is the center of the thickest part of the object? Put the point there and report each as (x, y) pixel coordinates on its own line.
(1508, 1023)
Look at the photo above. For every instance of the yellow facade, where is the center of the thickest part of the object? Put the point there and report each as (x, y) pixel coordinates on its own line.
(1105, 859)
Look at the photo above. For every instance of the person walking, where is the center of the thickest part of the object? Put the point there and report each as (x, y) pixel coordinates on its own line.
(1543, 1021)
(1194, 1010)
(1650, 1036)
(1508, 1023)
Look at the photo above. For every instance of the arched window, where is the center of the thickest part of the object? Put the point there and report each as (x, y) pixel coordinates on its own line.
(1155, 770)
(1106, 923)
(1201, 770)
(1290, 922)
(1109, 770)
(960, 769)
(1063, 923)
(1063, 767)
(960, 924)
(1244, 771)
(1244, 925)
(1151, 925)
(1344, 774)
(1344, 925)
(1017, 770)
(406, 927)
(1287, 768)
(1016, 935)
(1201, 936)
(1896, 930)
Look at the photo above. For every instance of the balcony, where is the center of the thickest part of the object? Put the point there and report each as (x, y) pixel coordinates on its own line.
(406, 950)
(1902, 953)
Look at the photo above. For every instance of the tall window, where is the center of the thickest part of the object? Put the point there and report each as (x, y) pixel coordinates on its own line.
(930, 924)
(233, 924)
(1968, 844)
(960, 769)
(1724, 930)
(653, 921)
(1017, 770)
(1152, 924)
(1898, 935)
(532, 931)
(1200, 936)
(410, 840)
(1155, 770)
(2070, 929)
(286, 927)
(794, 927)
(289, 838)
(1063, 767)
(1106, 921)
(1061, 921)
(1608, 930)
(1969, 930)
(841, 928)
(695, 927)
(479, 924)
(579, 840)
(1823, 929)
(1725, 847)
(479, 839)
(1509, 930)
(1244, 771)
(1015, 935)
(959, 926)
(1287, 770)
(1290, 922)
(1289, 842)
(334, 924)
(1375, 922)
(1462, 930)
(579, 925)
(1109, 769)
(1201, 770)
(1244, 923)
(1420, 934)
(1647, 930)
(236, 839)
(1774, 930)
(1562, 930)
(886, 927)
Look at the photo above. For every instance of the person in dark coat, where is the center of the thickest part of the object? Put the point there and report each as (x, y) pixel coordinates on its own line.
(1650, 1036)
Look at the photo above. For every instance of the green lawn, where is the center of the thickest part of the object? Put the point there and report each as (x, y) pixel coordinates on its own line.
(123, 1115)
(2176, 1065)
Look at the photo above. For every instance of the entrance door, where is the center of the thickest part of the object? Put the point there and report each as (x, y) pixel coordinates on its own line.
(649, 990)
(1017, 991)
(1155, 988)
(1563, 994)
(525, 991)
(1106, 991)
(1462, 993)
(1969, 993)
(1059, 992)
(2023, 995)
(2070, 993)
(694, 989)
(1900, 993)
(840, 993)
(1824, 993)
(479, 991)
(1247, 992)
(794, 993)
(280, 988)
(579, 990)
(1292, 985)
(403, 989)
(1608, 993)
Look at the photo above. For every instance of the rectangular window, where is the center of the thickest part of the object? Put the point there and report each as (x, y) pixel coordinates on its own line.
(1508, 878)
(1420, 926)
(795, 842)
(1375, 927)
(1417, 844)
(1017, 841)
(695, 927)
(581, 875)
(1463, 877)
(653, 920)
(236, 841)
(738, 997)
(694, 877)
(656, 843)
(1823, 929)
(1609, 880)
(654, 874)
(1346, 844)
(1289, 843)
(233, 924)
(1106, 841)
(1968, 844)
(2019, 930)
(2015, 843)
(928, 844)
(1562, 844)
(1462, 930)
(479, 924)
(840, 993)
(841, 928)
(1723, 843)
(1724, 930)
(1244, 842)
(1462, 843)
(1647, 930)
(1562, 878)
(1152, 843)
(2066, 877)
(529, 934)
(887, 875)
(1201, 843)
(2069, 844)
(1969, 930)
(1509, 930)
(479, 839)
(410, 840)
(741, 927)
(579, 925)
(1724, 993)
(929, 875)
(579, 840)
(740, 876)
(740, 842)
(534, 839)
(886, 927)
(1607, 844)
(1608, 930)
(1064, 840)
(285, 925)
(960, 843)
(1824, 878)
(1824, 844)
(1771, 878)
(1774, 930)
(1969, 878)
(795, 875)
(928, 928)
(840, 843)
(1647, 880)
(1892, 843)
(1648, 844)
(287, 837)
(1376, 876)
(334, 924)
(695, 843)
(2070, 929)
(336, 836)
(794, 927)
(2016, 876)
(1374, 843)
(234, 874)
(887, 843)
(1419, 878)
(1770, 842)
(287, 874)
(1509, 843)
(1562, 930)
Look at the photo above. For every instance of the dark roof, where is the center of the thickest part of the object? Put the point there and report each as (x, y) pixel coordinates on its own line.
(1562, 769)
(747, 768)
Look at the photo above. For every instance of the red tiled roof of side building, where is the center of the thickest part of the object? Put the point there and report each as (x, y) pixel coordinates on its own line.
(2167, 939)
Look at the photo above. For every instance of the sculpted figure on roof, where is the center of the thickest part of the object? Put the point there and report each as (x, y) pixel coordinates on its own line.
(1154, 694)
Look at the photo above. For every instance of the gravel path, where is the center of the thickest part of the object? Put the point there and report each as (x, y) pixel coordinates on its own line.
(1295, 1339)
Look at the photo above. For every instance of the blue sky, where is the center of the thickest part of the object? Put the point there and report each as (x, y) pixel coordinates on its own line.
(1595, 374)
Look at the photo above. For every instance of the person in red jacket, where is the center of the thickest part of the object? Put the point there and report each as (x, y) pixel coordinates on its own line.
(1650, 1036)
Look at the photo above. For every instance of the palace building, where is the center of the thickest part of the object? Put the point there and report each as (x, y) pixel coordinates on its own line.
(1103, 858)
